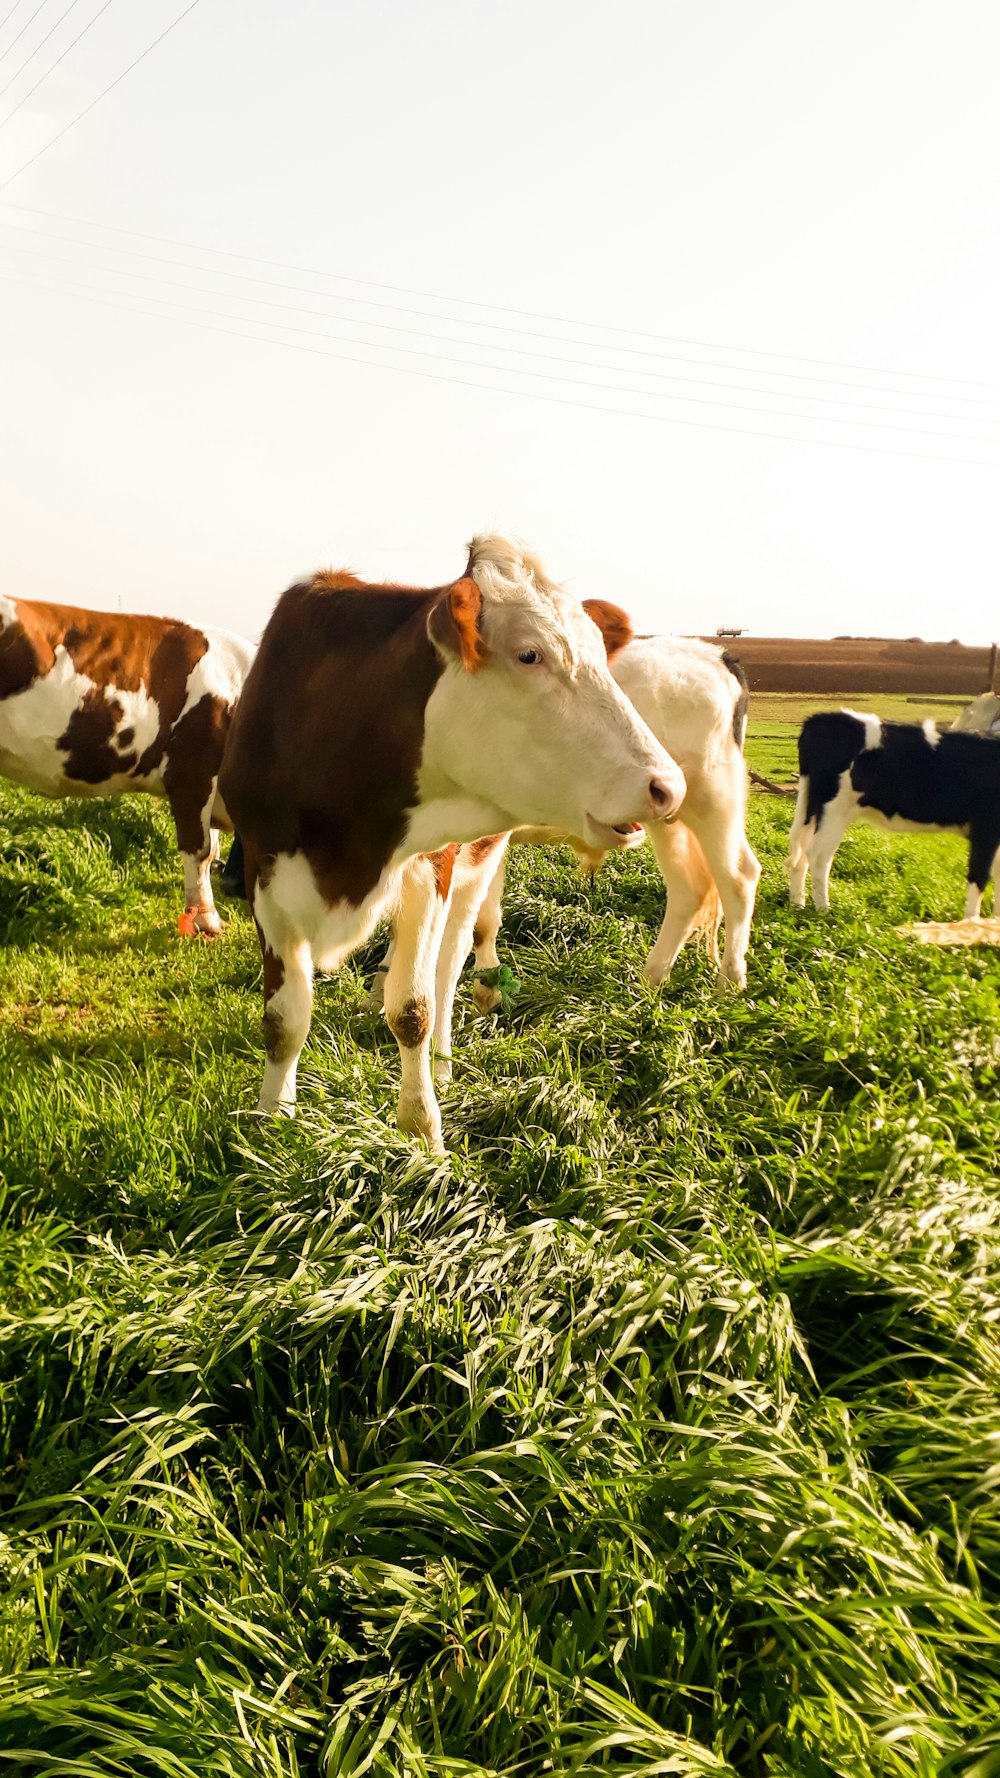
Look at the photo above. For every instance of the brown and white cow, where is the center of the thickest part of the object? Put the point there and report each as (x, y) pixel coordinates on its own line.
(381, 726)
(693, 696)
(94, 702)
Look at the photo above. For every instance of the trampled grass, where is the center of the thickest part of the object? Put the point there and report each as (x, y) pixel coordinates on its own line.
(655, 1430)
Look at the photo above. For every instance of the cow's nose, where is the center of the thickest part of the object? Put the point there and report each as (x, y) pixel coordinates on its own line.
(664, 799)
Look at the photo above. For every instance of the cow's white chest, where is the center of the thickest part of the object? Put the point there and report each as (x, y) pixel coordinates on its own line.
(33, 721)
(292, 908)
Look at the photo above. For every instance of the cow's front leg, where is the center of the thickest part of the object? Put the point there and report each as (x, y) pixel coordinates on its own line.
(409, 993)
(477, 868)
(198, 844)
(486, 930)
(288, 998)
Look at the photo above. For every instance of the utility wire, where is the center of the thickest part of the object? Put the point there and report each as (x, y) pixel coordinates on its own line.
(52, 65)
(9, 15)
(101, 95)
(499, 308)
(531, 394)
(5, 53)
(520, 332)
(443, 339)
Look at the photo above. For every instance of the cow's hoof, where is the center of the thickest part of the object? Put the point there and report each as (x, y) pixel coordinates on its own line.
(374, 1000)
(201, 922)
(442, 1071)
(730, 984)
(415, 1118)
(486, 999)
(654, 972)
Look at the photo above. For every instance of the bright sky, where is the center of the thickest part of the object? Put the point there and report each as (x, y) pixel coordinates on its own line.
(687, 227)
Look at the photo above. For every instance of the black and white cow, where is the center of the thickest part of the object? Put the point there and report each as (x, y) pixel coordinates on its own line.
(901, 776)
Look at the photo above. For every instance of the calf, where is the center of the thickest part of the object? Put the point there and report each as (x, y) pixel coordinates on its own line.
(901, 776)
(693, 696)
(93, 702)
(379, 728)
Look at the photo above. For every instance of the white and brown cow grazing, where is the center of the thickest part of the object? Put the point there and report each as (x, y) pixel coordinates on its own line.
(382, 726)
(93, 702)
(900, 776)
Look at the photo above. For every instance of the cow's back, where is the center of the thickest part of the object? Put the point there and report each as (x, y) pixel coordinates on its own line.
(90, 701)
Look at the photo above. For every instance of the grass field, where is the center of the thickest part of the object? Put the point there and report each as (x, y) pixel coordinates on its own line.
(656, 1430)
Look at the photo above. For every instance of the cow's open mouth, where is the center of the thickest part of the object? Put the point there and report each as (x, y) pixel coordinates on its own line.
(612, 836)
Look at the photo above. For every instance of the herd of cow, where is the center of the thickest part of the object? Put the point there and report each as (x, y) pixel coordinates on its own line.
(377, 749)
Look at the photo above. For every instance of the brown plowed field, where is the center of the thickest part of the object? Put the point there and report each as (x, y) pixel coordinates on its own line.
(863, 663)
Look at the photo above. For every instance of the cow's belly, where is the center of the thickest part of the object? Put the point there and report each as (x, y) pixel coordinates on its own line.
(65, 736)
(902, 824)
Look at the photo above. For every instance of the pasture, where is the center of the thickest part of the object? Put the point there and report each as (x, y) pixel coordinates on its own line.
(654, 1430)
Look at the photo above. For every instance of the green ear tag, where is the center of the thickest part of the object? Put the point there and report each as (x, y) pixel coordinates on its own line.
(504, 980)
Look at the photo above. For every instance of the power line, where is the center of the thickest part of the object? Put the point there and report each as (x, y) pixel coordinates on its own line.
(499, 308)
(554, 376)
(526, 333)
(5, 53)
(530, 394)
(101, 95)
(52, 65)
(9, 15)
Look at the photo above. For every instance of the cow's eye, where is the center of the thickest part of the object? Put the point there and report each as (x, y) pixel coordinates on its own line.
(529, 657)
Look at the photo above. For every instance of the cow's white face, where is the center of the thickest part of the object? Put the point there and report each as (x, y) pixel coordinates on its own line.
(529, 719)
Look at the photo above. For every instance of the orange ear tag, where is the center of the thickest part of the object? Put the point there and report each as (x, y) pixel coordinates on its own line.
(186, 925)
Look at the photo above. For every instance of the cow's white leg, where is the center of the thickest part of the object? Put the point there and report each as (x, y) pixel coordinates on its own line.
(973, 902)
(486, 929)
(409, 997)
(199, 900)
(984, 862)
(797, 862)
(688, 883)
(288, 997)
(198, 844)
(733, 864)
(476, 873)
(826, 838)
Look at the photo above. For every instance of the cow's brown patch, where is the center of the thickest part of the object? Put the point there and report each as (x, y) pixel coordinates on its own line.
(276, 1043)
(87, 741)
(24, 657)
(412, 1023)
(443, 865)
(478, 850)
(614, 624)
(336, 580)
(325, 745)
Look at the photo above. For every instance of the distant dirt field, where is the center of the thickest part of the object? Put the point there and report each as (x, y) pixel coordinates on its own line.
(860, 664)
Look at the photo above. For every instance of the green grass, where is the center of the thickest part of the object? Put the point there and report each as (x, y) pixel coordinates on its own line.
(655, 1430)
(777, 716)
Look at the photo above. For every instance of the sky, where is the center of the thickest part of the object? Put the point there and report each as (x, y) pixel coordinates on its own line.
(701, 300)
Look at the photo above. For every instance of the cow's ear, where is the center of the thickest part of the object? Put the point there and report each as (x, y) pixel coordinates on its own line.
(613, 623)
(453, 625)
